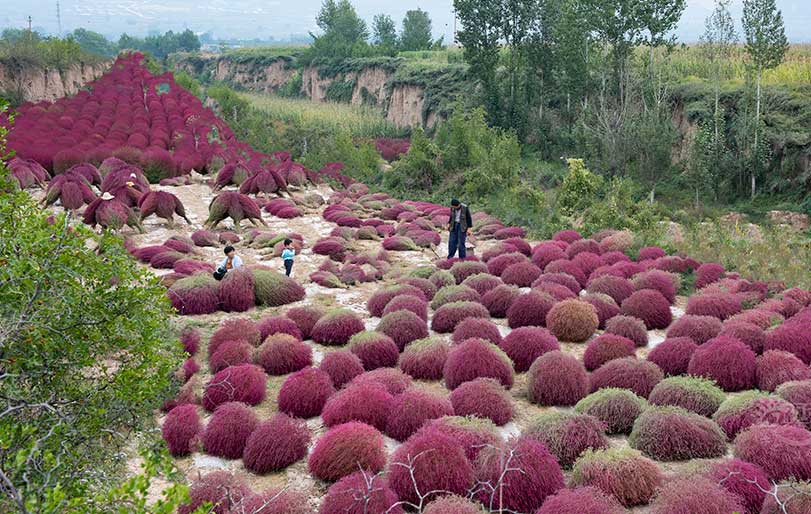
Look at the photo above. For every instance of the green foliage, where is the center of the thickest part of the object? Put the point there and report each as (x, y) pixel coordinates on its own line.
(416, 33)
(384, 33)
(344, 33)
(579, 188)
(24, 48)
(95, 43)
(233, 107)
(291, 88)
(161, 45)
(340, 91)
(765, 35)
(417, 170)
(189, 83)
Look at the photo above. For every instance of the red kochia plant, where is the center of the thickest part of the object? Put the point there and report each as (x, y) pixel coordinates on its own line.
(304, 393)
(556, 378)
(728, 361)
(563, 279)
(345, 449)
(235, 206)
(799, 395)
(407, 303)
(498, 300)
(341, 366)
(521, 274)
(497, 265)
(228, 429)
(567, 434)
(305, 318)
(235, 329)
(485, 398)
(623, 473)
(274, 501)
(572, 320)
(464, 269)
(425, 359)
(582, 500)
(426, 463)
(236, 290)
(607, 347)
(374, 349)
(195, 295)
(545, 253)
(708, 273)
(243, 383)
(698, 328)
(746, 481)
(411, 409)
(281, 354)
(180, 429)
(782, 451)
(618, 288)
(477, 358)
(568, 267)
(204, 238)
(657, 280)
(606, 307)
(719, 305)
(449, 315)
(278, 325)
(776, 367)
(276, 444)
(630, 327)
(556, 291)
(616, 408)
(162, 204)
(673, 433)
(482, 282)
(336, 327)
(190, 339)
(650, 306)
(476, 327)
(453, 504)
(791, 337)
(391, 379)
(638, 375)
(673, 355)
(695, 494)
(694, 394)
(403, 327)
(524, 345)
(518, 476)
(220, 488)
(230, 353)
(380, 298)
(748, 333)
(529, 309)
(368, 403)
(361, 492)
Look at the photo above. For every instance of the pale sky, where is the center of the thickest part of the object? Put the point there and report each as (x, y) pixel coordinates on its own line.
(279, 18)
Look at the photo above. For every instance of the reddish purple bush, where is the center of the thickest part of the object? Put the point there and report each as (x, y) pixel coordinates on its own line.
(694, 494)
(563, 279)
(235, 329)
(657, 280)
(567, 434)
(403, 327)
(607, 347)
(190, 339)
(361, 492)
(482, 282)
(305, 318)
(497, 265)
(281, 354)
(529, 309)
(472, 433)
(230, 353)
(425, 359)
(606, 307)
(454, 293)
(556, 378)
(341, 366)
(367, 403)
(391, 379)
(651, 253)
(275, 444)
(748, 333)
(274, 501)
(672, 433)
(453, 504)
(219, 488)
(423, 284)
(521, 274)
(630, 327)
(278, 325)
(616, 408)
(673, 355)
(698, 328)
(345, 449)
(374, 349)
(782, 451)
(799, 395)
(694, 394)
(620, 472)
(777, 367)
(378, 301)
(477, 358)
(411, 409)
(476, 327)
(640, 376)
(407, 303)
(746, 481)
(228, 430)
(304, 393)
(791, 337)
(718, 305)
(568, 236)
(464, 269)
(181, 429)
(568, 267)
(525, 344)
(336, 327)
(447, 317)
(518, 476)
(485, 398)
(581, 500)
(727, 361)
(244, 383)
(498, 300)
(194, 295)
(545, 253)
(572, 320)
(792, 497)
(708, 273)
(618, 288)
(650, 306)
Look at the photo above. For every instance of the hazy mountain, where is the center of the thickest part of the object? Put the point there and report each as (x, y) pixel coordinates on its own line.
(279, 18)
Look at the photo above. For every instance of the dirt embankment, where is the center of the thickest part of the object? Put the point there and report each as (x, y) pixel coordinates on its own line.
(32, 84)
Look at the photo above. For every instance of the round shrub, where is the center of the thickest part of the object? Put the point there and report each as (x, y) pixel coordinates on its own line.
(423, 284)
(798, 394)
(607, 347)
(497, 265)
(230, 353)
(477, 358)
(304, 393)
(274, 501)
(616, 408)
(630, 327)
(345, 449)
(449, 315)
(695, 494)
(651, 253)
(378, 301)
(442, 278)
(274, 289)
(673, 433)
(792, 498)
(454, 293)
(392, 379)
(374, 349)
(782, 451)
(572, 320)
(236, 290)
(235, 329)
(556, 291)
(525, 344)
(228, 429)
(195, 295)
(425, 359)
(336, 327)
(360, 493)
(567, 434)
(582, 500)
(640, 376)
(746, 481)
(305, 318)
(618, 288)
(776, 367)
(718, 305)
(498, 301)
(464, 269)
(698, 328)
(521, 274)
(567, 266)
(735, 411)
(662, 281)
(547, 252)
(190, 339)
(482, 283)
(281, 354)
(673, 355)
(181, 429)
(727, 361)
(694, 394)
(529, 309)
(435, 461)
(244, 383)
(367, 403)
(520, 475)
(341, 366)
(278, 325)
(407, 303)
(556, 378)
(622, 473)
(708, 273)
(790, 337)
(606, 307)
(275, 444)
(219, 488)
(485, 398)
(761, 317)
(650, 306)
(748, 333)
(563, 279)
(403, 327)
(472, 433)
(411, 409)
(476, 327)
(453, 505)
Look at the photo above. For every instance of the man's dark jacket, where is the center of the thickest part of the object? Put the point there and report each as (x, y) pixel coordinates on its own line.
(465, 220)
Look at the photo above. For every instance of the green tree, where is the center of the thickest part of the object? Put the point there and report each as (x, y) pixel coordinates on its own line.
(95, 43)
(766, 45)
(697, 171)
(384, 33)
(416, 33)
(344, 33)
(419, 169)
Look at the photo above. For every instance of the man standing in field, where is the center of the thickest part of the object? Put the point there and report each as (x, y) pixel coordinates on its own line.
(459, 227)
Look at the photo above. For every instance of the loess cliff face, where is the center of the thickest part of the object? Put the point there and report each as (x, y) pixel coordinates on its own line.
(32, 84)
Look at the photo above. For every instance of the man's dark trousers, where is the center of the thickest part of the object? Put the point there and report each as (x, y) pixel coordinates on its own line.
(457, 241)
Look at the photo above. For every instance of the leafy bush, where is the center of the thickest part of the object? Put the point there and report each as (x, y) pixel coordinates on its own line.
(527, 309)
(698, 328)
(556, 378)
(579, 189)
(411, 409)
(447, 317)
(630, 327)
(391, 379)
(341, 366)
(727, 361)
(782, 451)
(425, 359)
(281, 354)
(607, 347)
(476, 327)
(694, 394)
(369, 403)
(403, 327)
(304, 393)
(345, 449)
(673, 355)
(336, 327)
(305, 318)
(180, 429)
(525, 344)
(673, 433)
(622, 473)
(474, 359)
(650, 306)
(485, 398)
(242, 383)
(695, 494)
(275, 444)
(638, 375)
(567, 434)
(616, 408)
(776, 367)
(374, 349)
(228, 430)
